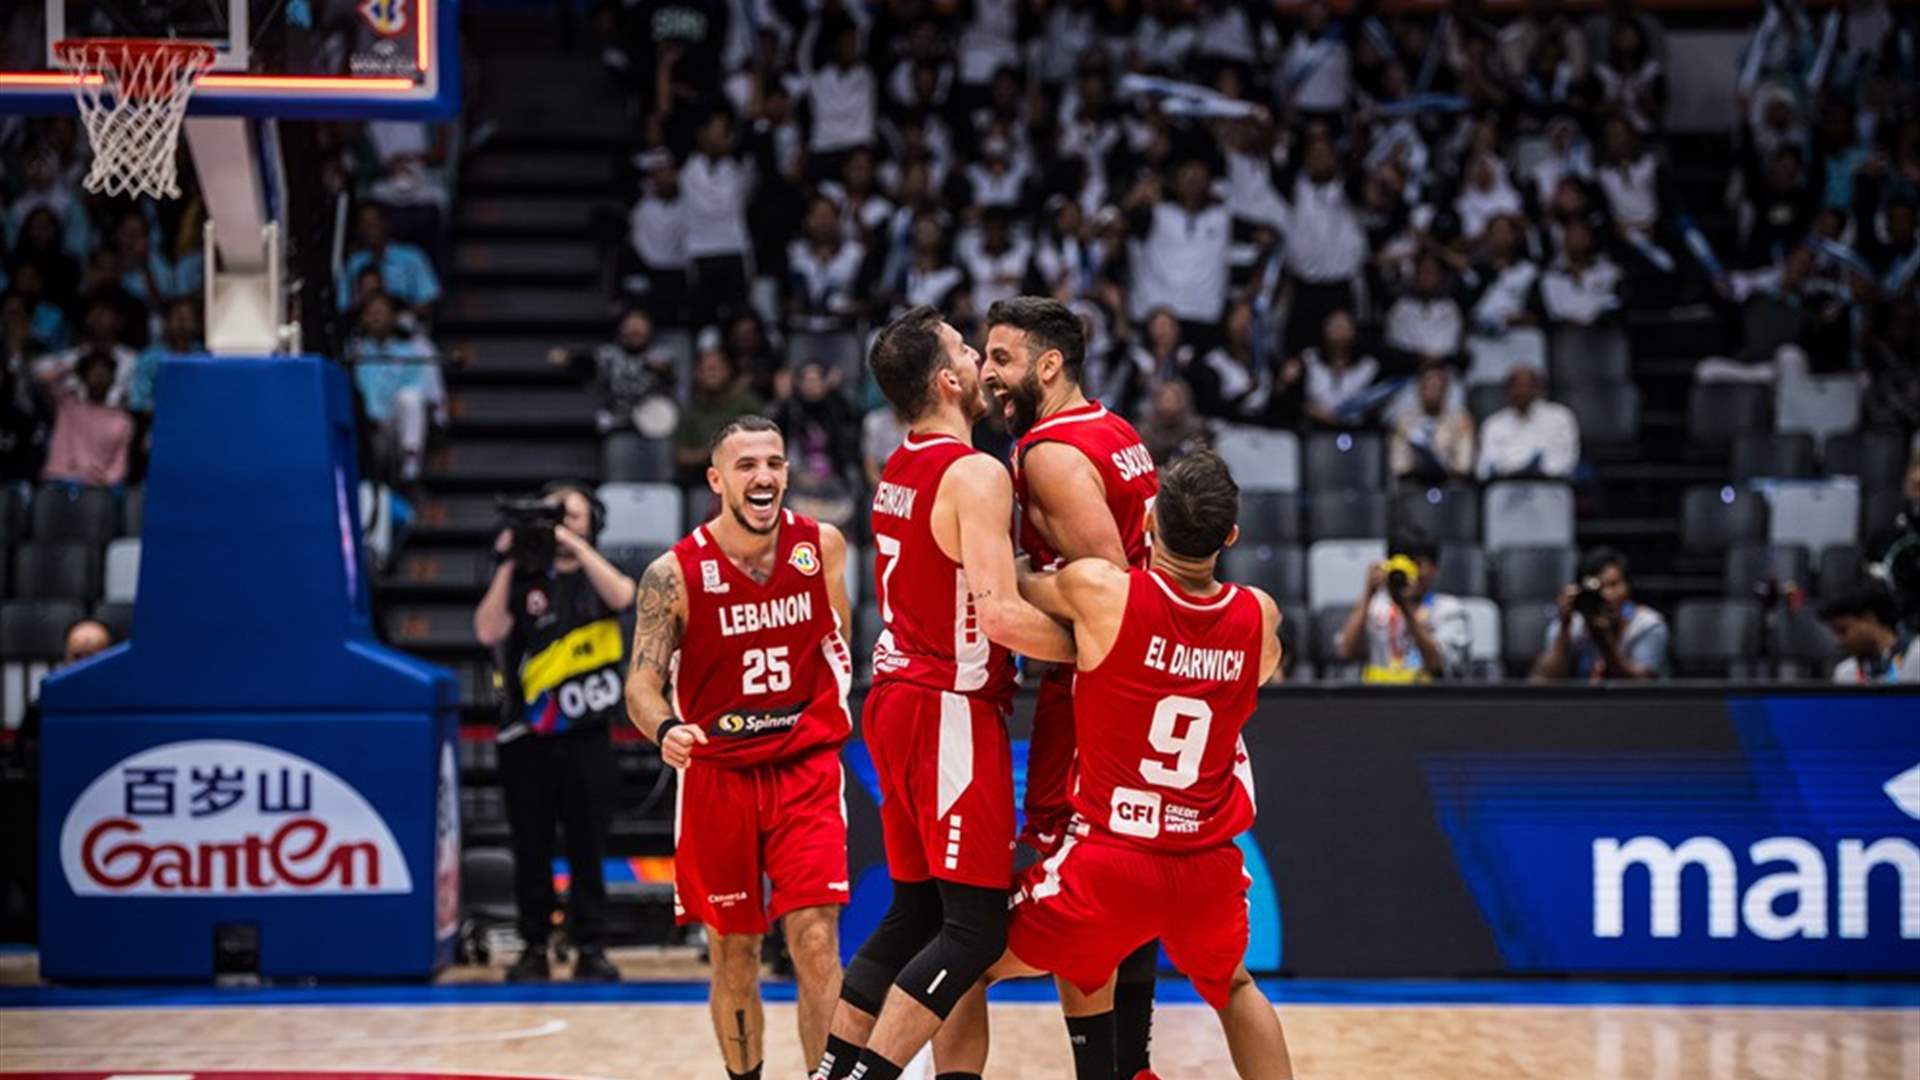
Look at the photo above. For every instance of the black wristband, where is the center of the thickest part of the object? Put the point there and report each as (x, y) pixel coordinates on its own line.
(660, 733)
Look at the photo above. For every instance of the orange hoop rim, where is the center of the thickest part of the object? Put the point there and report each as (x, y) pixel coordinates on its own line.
(90, 56)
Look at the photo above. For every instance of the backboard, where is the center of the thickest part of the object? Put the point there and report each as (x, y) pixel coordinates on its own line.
(300, 59)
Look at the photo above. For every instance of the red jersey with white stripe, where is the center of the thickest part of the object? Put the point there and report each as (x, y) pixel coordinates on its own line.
(932, 637)
(1159, 720)
(762, 667)
(1126, 472)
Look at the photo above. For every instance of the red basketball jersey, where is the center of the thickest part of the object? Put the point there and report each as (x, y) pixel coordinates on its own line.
(762, 668)
(931, 637)
(1159, 720)
(1126, 471)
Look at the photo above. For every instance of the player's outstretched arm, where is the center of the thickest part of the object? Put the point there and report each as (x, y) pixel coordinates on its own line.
(833, 563)
(1270, 648)
(660, 615)
(1087, 594)
(981, 497)
(1066, 490)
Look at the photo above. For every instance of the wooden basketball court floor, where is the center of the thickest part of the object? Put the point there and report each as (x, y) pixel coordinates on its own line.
(1466, 1030)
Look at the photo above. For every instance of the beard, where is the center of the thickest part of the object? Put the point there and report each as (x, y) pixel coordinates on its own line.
(738, 508)
(1024, 396)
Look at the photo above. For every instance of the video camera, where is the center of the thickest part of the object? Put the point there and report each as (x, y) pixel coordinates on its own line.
(1589, 602)
(532, 522)
(1901, 565)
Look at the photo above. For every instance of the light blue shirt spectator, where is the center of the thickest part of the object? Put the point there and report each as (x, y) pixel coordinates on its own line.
(384, 368)
(405, 274)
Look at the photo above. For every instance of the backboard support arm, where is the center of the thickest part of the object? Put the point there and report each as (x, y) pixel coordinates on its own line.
(246, 301)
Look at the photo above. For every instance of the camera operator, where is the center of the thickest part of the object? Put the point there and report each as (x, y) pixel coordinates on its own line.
(1406, 632)
(1602, 633)
(551, 617)
(1865, 624)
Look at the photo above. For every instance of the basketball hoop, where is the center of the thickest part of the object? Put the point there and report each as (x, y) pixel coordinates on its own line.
(132, 94)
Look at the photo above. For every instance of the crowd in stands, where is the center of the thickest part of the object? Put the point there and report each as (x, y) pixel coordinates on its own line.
(1433, 227)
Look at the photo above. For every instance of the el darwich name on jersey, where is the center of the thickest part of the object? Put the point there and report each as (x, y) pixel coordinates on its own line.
(775, 614)
(1193, 662)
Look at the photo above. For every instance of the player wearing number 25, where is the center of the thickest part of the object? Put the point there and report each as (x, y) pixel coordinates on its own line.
(1169, 662)
(740, 673)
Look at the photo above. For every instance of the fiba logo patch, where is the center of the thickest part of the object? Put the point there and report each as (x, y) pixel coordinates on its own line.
(710, 577)
(385, 17)
(805, 558)
(731, 723)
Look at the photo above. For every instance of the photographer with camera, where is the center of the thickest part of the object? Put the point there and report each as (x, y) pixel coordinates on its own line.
(1865, 624)
(551, 615)
(1406, 632)
(1602, 633)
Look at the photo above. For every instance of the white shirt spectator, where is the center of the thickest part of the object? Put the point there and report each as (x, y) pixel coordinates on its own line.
(1903, 666)
(880, 435)
(1183, 261)
(1066, 36)
(1506, 295)
(987, 42)
(1163, 45)
(996, 276)
(824, 284)
(1226, 34)
(409, 181)
(843, 108)
(1425, 327)
(657, 229)
(997, 187)
(1316, 73)
(863, 219)
(935, 288)
(1250, 191)
(1632, 193)
(1477, 206)
(1328, 387)
(1581, 296)
(1325, 242)
(713, 195)
(124, 360)
(1545, 441)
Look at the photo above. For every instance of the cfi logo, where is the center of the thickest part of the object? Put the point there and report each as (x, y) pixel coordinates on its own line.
(805, 558)
(731, 724)
(385, 17)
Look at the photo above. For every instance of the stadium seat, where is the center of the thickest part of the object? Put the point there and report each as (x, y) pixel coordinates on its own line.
(1345, 460)
(1814, 514)
(56, 571)
(1840, 568)
(1757, 455)
(1878, 458)
(32, 637)
(1491, 358)
(1347, 514)
(1483, 647)
(633, 558)
(858, 569)
(1449, 515)
(6, 572)
(13, 515)
(1463, 570)
(641, 514)
(700, 505)
(1717, 413)
(1751, 568)
(1586, 357)
(1532, 573)
(1716, 637)
(118, 616)
(123, 570)
(1337, 570)
(1880, 510)
(1261, 459)
(1800, 639)
(627, 457)
(1327, 622)
(1269, 516)
(1280, 569)
(869, 581)
(1523, 633)
(1527, 513)
(136, 510)
(1485, 400)
(71, 514)
(1716, 518)
(1609, 416)
(1819, 407)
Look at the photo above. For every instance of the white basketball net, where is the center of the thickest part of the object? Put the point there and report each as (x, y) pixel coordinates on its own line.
(132, 97)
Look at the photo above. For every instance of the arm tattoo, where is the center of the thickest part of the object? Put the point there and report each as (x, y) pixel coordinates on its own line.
(656, 623)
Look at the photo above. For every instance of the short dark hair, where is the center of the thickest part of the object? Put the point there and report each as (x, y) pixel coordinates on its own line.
(1198, 505)
(1048, 324)
(745, 422)
(1865, 598)
(1598, 559)
(906, 355)
(1415, 543)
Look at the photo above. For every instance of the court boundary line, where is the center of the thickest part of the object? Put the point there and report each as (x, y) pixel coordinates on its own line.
(545, 1028)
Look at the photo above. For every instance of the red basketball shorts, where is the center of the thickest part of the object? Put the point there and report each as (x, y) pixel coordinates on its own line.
(1079, 913)
(784, 823)
(1050, 755)
(946, 784)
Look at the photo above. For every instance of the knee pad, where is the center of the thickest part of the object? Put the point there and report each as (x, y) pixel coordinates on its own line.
(973, 934)
(911, 921)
